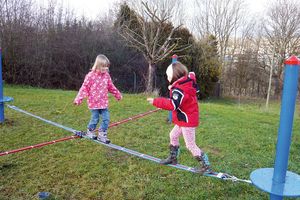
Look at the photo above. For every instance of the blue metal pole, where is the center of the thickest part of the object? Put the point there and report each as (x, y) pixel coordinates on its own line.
(174, 59)
(1, 91)
(289, 95)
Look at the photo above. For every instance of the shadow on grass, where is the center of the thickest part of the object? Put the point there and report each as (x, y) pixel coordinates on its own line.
(6, 166)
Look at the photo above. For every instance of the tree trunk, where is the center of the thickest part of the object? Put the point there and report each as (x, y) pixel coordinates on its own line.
(258, 89)
(149, 81)
(277, 88)
(279, 77)
(270, 81)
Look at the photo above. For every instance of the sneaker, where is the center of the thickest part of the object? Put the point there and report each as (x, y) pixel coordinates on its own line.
(102, 137)
(91, 134)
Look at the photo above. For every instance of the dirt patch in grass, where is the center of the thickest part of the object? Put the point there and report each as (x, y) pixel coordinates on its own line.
(213, 150)
(7, 123)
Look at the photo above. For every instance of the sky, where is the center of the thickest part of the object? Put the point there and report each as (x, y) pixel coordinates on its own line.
(89, 8)
(93, 8)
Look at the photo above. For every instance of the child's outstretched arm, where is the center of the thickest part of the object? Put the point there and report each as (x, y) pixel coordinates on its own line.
(113, 90)
(161, 102)
(83, 91)
(168, 103)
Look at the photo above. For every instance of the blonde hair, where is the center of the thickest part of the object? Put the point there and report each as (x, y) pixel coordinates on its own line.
(179, 70)
(101, 62)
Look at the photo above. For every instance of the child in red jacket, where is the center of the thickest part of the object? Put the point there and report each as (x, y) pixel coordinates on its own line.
(184, 105)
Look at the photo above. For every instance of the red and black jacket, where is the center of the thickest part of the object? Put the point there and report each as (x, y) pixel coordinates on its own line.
(183, 101)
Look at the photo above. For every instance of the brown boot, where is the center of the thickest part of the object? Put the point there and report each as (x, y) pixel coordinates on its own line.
(204, 163)
(172, 159)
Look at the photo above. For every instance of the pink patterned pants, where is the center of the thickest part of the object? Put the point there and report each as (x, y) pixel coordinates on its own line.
(189, 138)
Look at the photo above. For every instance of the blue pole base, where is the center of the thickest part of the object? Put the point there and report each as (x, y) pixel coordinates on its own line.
(6, 99)
(262, 179)
(2, 101)
(170, 117)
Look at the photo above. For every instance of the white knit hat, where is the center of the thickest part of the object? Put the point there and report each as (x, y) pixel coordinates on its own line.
(169, 73)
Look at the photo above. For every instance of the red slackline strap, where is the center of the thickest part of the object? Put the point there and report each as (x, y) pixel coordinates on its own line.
(75, 136)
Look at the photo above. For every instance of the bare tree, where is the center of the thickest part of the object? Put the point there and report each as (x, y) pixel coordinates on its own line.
(219, 18)
(151, 32)
(15, 27)
(270, 79)
(47, 45)
(282, 28)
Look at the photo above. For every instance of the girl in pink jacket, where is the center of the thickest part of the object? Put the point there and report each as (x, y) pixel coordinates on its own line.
(96, 86)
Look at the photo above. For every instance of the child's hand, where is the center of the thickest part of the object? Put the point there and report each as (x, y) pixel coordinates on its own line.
(150, 100)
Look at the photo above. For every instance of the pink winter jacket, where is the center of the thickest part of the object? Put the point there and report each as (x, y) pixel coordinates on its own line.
(95, 88)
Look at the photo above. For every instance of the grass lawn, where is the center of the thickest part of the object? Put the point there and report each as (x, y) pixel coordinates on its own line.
(237, 138)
